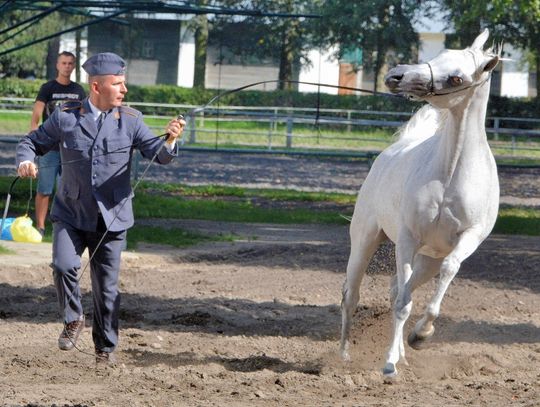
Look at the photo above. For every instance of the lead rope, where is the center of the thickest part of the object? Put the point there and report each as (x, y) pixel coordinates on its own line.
(191, 114)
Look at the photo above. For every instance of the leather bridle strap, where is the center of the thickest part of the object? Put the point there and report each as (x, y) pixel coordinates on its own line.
(432, 82)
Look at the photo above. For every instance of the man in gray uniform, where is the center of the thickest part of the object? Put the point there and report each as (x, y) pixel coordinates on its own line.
(93, 202)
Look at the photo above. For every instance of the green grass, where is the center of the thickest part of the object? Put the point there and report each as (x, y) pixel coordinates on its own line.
(177, 207)
(15, 122)
(308, 136)
(272, 194)
(175, 237)
(5, 250)
(518, 221)
(174, 201)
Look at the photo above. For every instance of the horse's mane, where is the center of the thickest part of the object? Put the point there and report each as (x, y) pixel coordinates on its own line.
(422, 125)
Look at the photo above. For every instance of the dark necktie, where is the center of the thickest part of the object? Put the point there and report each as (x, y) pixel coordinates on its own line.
(100, 120)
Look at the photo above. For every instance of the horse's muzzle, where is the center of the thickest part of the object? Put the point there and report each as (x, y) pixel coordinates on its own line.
(407, 80)
(394, 77)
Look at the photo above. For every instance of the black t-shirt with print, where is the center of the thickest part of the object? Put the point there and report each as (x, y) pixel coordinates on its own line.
(54, 94)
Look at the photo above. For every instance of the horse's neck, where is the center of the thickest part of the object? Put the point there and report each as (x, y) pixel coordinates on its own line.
(464, 137)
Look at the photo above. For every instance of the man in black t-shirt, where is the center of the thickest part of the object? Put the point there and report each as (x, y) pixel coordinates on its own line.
(51, 95)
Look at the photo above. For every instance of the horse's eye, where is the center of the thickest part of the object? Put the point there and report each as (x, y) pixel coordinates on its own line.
(455, 80)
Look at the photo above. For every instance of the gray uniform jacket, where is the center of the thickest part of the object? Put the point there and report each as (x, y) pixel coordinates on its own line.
(96, 165)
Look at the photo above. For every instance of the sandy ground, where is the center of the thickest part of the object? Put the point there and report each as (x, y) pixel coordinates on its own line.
(256, 322)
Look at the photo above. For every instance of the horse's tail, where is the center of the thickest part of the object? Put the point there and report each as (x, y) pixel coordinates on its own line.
(422, 125)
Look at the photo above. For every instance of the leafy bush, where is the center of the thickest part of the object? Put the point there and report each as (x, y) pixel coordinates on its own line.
(13, 87)
(498, 106)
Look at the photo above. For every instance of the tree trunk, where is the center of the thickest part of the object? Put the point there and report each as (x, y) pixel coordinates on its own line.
(201, 43)
(383, 14)
(379, 59)
(53, 50)
(286, 57)
(285, 63)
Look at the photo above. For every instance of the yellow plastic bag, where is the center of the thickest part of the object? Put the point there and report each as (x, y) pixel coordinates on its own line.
(23, 231)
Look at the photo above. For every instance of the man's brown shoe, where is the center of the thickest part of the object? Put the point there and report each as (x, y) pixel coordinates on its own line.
(70, 334)
(105, 358)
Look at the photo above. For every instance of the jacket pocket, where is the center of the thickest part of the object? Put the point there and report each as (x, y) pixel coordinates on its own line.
(76, 144)
(117, 150)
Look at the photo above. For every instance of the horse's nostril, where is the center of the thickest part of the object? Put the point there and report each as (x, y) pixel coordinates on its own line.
(393, 81)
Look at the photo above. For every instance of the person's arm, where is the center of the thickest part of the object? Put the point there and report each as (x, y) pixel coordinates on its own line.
(37, 112)
(37, 142)
(148, 144)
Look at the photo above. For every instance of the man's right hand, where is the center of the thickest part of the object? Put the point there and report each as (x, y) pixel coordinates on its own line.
(27, 169)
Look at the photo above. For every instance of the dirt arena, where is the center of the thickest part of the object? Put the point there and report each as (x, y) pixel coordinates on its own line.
(256, 322)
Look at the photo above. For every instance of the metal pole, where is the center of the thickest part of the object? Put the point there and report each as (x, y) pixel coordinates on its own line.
(289, 131)
(8, 200)
(192, 130)
(496, 124)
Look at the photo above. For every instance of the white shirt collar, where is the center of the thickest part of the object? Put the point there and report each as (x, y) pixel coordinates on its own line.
(95, 111)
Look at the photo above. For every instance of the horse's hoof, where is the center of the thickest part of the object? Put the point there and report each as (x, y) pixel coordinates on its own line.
(418, 342)
(389, 371)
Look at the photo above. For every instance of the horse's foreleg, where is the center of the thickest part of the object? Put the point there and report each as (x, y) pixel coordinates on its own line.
(406, 247)
(425, 268)
(468, 243)
(365, 238)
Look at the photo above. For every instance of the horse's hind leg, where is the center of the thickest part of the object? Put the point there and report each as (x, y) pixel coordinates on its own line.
(365, 238)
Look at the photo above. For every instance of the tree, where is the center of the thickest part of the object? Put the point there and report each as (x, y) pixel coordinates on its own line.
(27, 61)
(374, 26)
(512, 21)
(283, 40)
(18, 28)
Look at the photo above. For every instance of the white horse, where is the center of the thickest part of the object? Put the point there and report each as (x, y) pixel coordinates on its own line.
(434, 193)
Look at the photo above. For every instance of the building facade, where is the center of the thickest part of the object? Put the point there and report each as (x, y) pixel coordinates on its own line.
(160, 49)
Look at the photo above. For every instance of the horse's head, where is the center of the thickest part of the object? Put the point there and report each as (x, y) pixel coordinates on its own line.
(439, 80)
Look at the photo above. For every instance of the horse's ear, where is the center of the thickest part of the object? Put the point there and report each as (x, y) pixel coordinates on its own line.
(480, 40)
(491, 64)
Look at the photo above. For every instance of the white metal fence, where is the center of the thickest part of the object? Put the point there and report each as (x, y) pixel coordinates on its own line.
(290, 130)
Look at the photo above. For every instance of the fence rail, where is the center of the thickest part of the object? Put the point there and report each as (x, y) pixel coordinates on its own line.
(311, 130)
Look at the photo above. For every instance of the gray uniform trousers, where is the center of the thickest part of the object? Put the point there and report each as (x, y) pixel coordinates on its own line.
(69, 244)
